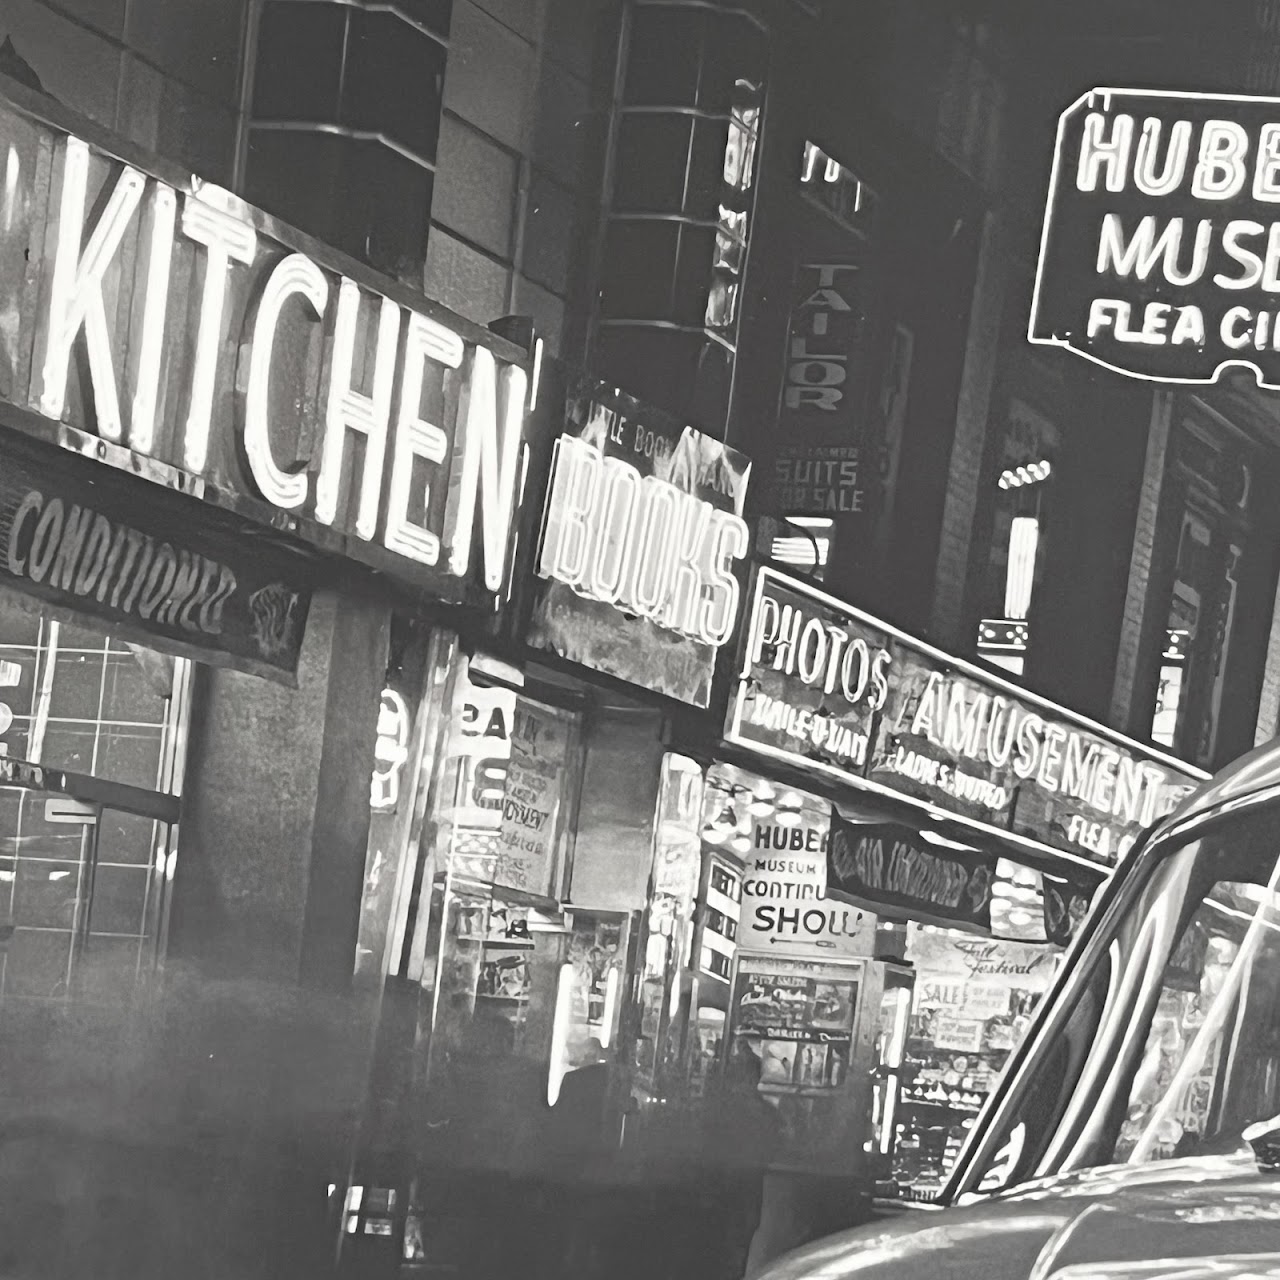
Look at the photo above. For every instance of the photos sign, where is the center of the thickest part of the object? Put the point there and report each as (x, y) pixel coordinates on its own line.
(823, 686)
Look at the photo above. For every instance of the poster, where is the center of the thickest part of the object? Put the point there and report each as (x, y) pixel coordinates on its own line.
(798, 1016)
(784, 891)
(531, 801)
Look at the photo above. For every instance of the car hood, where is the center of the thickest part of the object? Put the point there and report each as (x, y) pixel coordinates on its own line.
(1210, 1216)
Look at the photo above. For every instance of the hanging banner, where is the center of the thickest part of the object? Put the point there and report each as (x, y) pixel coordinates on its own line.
(944, 959)
(823, 686)
(883, 864)
(641, 537)
(143, 562)
(1160, 254)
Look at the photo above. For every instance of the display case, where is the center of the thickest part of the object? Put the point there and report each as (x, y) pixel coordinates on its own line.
(813, 1028)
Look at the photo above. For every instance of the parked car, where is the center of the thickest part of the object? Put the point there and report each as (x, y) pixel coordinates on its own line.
(1136, 1132)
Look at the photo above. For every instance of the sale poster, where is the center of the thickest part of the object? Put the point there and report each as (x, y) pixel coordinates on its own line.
(531, 802)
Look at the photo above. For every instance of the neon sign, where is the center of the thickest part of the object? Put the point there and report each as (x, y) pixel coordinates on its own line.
(390, 751)
(1160, 255)
(641, 544)
(825, 687)
(182, 326)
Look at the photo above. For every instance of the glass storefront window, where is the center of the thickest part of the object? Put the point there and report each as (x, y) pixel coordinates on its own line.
(84, 878)
(972, 1005)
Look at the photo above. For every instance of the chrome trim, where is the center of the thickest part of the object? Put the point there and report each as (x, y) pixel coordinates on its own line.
(1118, 893)
(381, 6)
(342, 130)
(672, 326)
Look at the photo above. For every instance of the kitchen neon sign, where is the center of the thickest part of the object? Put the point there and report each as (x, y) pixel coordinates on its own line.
(161, 366)
(641, 544)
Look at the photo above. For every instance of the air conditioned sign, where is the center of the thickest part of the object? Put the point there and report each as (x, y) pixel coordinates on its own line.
(1160, 255)
(191, 338)
(826, 687)
(642, 536)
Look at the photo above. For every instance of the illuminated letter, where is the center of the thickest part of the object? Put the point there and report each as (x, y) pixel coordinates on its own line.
(146, 361)
(650, 577)
(693, 516)
(614, 519)
(1271, 267)
(1144, 251)
(1095, 152)
(1237, 341)
(1175, 159)
(1234, 250)
(1104, 312)
(224, 237)
(566, 543)
(75, 291)
(1265, 186)
(294, 274)
(1220, 172)
(488, 468)
(417, 438)
(348, 408)
(926, 709)
(729, 544)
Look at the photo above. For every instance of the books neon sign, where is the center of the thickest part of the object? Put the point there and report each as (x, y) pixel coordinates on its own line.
(640, 544)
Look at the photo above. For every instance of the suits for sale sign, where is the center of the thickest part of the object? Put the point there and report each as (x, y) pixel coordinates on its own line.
(1160, 255)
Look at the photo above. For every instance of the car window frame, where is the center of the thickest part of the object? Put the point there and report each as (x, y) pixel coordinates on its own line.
(1087, 950)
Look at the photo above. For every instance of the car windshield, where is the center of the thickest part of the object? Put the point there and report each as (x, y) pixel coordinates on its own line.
(1165, 1039)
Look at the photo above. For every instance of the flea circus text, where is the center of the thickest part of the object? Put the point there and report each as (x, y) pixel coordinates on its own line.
(1213, 276)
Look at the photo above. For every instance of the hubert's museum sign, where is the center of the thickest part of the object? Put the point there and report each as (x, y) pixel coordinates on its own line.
(1160, 256)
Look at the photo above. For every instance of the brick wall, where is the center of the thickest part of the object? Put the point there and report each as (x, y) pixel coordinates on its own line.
(948, 619)
(516, 146)
(164, 73)
(1144, 539)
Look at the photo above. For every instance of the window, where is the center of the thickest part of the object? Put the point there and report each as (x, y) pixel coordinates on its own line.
(1167, 1043)
(1023, 477)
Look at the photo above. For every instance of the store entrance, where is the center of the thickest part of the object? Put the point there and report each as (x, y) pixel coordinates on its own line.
(85, 866)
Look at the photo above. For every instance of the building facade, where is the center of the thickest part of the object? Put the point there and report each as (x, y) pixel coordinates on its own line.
(757, 271)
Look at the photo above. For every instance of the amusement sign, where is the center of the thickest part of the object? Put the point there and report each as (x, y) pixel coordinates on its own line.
(824, 686)
(1160, 255)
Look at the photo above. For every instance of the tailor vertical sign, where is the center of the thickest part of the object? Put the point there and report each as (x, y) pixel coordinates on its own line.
(173, 331)
(1160, 254)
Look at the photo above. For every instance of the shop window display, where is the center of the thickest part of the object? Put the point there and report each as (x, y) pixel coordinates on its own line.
(972, 1005)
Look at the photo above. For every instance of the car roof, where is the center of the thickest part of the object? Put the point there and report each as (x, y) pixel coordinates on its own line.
(1258, 770)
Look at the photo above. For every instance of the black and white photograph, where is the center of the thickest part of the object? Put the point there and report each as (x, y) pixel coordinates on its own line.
(639, 639)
